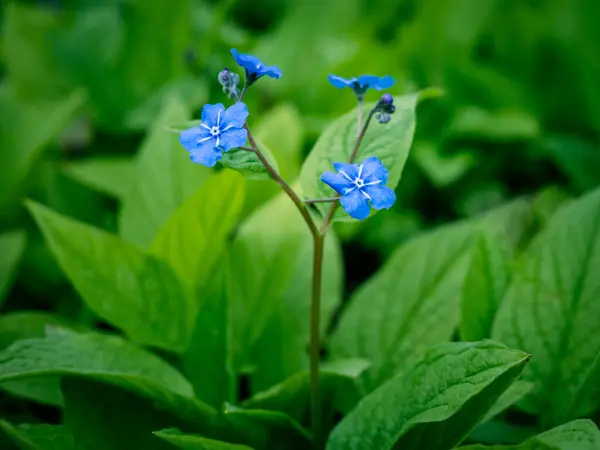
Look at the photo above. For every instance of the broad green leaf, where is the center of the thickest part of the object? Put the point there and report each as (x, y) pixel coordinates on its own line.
(516, 392)
(267, 429)
(547, 201)
(193, 238)
(442, 170)
(551, 306)
(106, 359)
(12, 245)
(247, 163)
(390, 143)
(26, 130)
(292, 396)
(164, 177)
(476, 123)
(195, 442)
(31, 324)
(576, 435)
(484, 286)
(577, 159)
(111, 176)
(132, 290)
(272, 263)
(40, 437)
(435, 404)
(412, 302)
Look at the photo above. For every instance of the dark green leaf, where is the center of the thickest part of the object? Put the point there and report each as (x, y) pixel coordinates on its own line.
(410, 304)
(435, 404)
(111, 176)
(12, 245)
(516, 392)
(551, 306)
(195, 442)
(40, 437)
(132, 290)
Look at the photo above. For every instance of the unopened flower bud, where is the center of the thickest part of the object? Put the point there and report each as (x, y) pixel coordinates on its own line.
(386, 105)
(229, 81)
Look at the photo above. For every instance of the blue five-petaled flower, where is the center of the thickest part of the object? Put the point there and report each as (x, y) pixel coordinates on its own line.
(359, 185)
(255, 68)
(361, 84)
(220, 131)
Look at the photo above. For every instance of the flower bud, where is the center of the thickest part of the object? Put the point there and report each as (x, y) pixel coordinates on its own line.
(229, 81)
(386, 105)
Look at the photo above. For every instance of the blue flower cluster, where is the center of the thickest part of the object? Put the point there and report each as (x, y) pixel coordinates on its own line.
(360, 186)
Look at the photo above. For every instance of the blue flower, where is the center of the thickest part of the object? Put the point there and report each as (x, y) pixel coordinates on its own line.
(359, 185)
(255, 68)
(361, 84)
(220, 131)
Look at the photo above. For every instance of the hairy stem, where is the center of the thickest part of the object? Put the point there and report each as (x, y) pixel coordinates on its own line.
(322, 200)
(359, 139)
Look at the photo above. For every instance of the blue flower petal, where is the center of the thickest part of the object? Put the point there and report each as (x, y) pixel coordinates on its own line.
(235, 116)
(192, 138)
(211, 114)
(374, 170)
(232, 138)
(349, 171)
(249, 62)
(384, 83)
(367, 81)
(382, 197)
(340, 82)
(337, 182)
(207, 155)
(356, 204)
(271, 71)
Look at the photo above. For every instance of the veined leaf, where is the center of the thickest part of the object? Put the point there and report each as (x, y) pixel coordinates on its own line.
(195, 442)
(551, 309)
(40, 437)
(134, 291)
(435, 404)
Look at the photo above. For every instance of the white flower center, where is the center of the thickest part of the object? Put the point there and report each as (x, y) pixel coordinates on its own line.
(215, 131)
(359, 182)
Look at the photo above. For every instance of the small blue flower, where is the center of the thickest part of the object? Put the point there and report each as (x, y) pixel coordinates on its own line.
(360, 184)
(363, 83)
(255, 68)
(220, 131)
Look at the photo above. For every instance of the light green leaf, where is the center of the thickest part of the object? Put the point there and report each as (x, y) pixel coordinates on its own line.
(551, 306)
(195, 442)
(111, 176)
(247, 163)
(164, 178)
(106, 359)
(12, 245)
(272, 262)
(412, 302)
(390, 143)
(485, 284)
(292, 396)
(436, 403)
(30, 324)
(576, 435)
(511, 125)
(40, 437)
(132, 290)
(193, 238)
(442, 170)
(516, 392)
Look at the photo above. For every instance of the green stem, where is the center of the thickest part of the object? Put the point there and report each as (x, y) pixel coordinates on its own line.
(322, 200)
(315, 347)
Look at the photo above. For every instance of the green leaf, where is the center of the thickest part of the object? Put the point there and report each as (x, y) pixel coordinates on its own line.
(576, 435)
(195, 442)
(390, 143)
(292, 396)
(516, 392)
(12, 245)
(164, 178)
(27, 130)
(272, 262)
(110, 176)
(442, 170)
(551, 305)
(267, 429)
(412, 302)
(30, 324)
(577, 159)
(485, 284)
(136, 292)
(193, 238)
(436, 403)
(40, 437)
(106, 359)
(247, 163)
(503, 126)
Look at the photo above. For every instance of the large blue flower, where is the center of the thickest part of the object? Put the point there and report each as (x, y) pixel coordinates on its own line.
(359, 185)
(220, 131)
(361, 84)
(255, 68)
